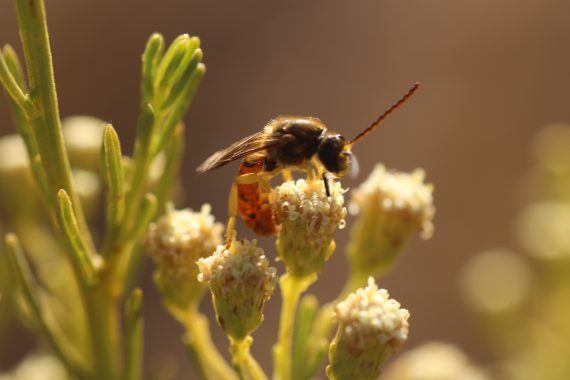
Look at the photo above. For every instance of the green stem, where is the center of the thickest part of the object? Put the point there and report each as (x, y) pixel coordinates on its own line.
(200, 347)
(174, 155)
(291, 289)
(82, 258)
(44, 114)
(323, 325)
(142, 160)
(302, 345)
(134, 336)
(246, 366)
(113, 173)
(25, 130)
(104, 322)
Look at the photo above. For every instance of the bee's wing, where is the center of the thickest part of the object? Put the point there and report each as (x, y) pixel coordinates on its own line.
(244, 147)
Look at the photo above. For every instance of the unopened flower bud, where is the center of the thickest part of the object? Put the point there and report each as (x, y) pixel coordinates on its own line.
(371, 326)
(391, 206)
(431, 361)
(308, 219)
(241, 281)
(175, 242)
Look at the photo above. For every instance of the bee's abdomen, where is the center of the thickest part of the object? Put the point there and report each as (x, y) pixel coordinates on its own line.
(253, 203)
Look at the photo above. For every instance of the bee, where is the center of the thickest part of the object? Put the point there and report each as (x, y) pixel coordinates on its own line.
(286, 143)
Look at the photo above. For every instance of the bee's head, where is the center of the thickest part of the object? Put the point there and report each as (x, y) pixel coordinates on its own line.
(334, 153)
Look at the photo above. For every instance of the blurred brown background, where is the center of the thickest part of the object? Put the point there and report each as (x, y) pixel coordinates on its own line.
(492, 73)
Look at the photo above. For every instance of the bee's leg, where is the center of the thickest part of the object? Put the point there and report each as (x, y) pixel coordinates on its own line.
(312, 173)
(264, 185)
(314, 169)
(233, 203)
(326, 181)
(286, 174)
(248, 179)
(232, 212)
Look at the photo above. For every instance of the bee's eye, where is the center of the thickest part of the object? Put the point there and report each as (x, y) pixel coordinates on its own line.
(330, 153)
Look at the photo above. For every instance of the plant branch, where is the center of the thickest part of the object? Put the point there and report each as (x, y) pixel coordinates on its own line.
(82, 257)
(44, 114)
(245, 364)
(12, 87)
(134, 336)
(203, 351)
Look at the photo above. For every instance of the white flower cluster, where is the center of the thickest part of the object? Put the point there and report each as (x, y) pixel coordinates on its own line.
(242, 265)
(241, 281)
(307, 202)
(403, 197)
(369, 317)
(181, 237)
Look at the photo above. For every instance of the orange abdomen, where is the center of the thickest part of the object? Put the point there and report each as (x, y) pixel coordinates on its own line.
(253, 203)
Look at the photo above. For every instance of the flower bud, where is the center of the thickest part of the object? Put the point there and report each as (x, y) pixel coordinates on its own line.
(241, 280)
(308, 219)
(371, 326)
(391, 206)
(175, 242)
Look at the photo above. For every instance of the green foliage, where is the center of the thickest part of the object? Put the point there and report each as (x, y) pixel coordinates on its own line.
(91, 342)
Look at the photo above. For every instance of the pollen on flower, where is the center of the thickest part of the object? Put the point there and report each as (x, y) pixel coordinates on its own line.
(306, 202)
(369, 317)
(405, 198)
(181, 237)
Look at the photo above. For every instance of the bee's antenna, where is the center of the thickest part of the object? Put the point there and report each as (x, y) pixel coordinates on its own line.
(378, 121)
